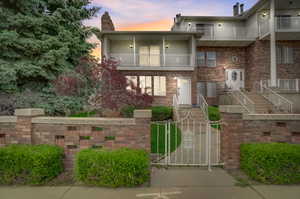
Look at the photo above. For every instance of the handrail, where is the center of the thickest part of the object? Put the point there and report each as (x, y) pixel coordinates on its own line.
(280, 102)
(244, 100)
(176, 105)
(203, 106)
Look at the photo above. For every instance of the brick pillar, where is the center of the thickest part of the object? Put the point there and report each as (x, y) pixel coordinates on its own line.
(24, 124)
(143, 123)
(231, 139)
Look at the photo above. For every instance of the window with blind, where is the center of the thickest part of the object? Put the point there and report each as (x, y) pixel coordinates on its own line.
(152, 85)
(285, 55)
(207, 59)
(207, 89)
(159, 86)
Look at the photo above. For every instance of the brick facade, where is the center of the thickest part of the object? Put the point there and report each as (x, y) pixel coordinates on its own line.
(236, 131)
(74, 134)
(107, 23)
(258, 62)
(224, 58)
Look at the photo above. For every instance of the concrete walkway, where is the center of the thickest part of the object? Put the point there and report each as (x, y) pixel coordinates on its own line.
(176, 183)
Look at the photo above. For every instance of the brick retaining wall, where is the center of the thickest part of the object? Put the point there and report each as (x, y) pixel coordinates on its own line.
(74, 134)
(238, 129)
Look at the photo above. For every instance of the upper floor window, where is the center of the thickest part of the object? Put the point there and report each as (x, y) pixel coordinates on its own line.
(285, 55)
(208, 59)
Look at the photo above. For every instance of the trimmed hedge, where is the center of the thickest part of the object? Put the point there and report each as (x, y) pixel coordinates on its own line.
(127, 111)
(271, 163)
(161, 113)
(30, 164)
(214, 113)
(112, 168)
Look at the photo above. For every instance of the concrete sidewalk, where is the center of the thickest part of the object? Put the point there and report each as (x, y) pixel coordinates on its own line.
(180, 183)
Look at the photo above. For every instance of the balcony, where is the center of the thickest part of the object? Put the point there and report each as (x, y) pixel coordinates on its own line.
(290, 24)
(286, 28)
(217, 32)
(152, 61)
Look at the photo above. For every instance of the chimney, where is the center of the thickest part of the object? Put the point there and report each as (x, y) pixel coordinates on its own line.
(106, 23)
(236, 9)
(242, 9)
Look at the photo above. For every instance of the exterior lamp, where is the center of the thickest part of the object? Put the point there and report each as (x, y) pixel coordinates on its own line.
(167, 46)
(130, 46)
(264, 14)
(219, 24)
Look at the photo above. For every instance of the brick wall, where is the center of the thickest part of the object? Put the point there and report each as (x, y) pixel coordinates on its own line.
(237, 130)
(224, 56)
(74, 134)
(258, 62)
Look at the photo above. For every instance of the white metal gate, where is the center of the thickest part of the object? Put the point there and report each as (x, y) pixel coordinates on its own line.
(186, 143)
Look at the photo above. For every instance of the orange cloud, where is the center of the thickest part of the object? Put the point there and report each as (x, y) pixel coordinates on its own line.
(164, 24)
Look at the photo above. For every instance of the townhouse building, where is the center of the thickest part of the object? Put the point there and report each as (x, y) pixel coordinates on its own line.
(209, 56)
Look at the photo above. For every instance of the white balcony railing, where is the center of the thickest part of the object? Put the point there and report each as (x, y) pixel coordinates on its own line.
(281, 24)
(171, 60)
(290, 85)
(288, 23)
(264, 27)
(209, 33)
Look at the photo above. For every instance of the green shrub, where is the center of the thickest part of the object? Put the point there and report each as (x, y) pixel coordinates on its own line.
(127, 111)
(161, 113)
(112, 168)
(28, 164)
(84, 114)
(213, 113)
(158, 138)
(271, 163)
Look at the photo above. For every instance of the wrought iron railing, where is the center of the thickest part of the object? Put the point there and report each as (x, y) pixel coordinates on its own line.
(203, 106)
(176, 106)
(280, 103)
(244, 100)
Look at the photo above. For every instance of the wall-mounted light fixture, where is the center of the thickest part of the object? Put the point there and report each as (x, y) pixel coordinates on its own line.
(264, 14)
(219, 25)
(299, 13)
(130, 46)
(167, 46)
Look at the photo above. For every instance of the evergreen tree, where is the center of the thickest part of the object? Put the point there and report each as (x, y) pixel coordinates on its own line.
(40, 39)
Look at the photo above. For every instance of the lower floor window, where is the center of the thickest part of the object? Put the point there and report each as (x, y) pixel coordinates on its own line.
(152, 85)
(207, 89)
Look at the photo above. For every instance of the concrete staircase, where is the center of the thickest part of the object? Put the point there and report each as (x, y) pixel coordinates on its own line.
(192, 113)
(262, 105)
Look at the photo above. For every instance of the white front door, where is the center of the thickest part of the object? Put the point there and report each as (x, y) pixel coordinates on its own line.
(184, 90)
(235, 79)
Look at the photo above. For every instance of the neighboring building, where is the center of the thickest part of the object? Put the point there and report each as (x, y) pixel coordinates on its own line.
(209, 55)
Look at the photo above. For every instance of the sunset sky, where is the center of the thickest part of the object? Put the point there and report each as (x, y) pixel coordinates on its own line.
(158, 14)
